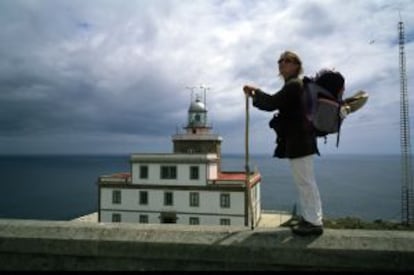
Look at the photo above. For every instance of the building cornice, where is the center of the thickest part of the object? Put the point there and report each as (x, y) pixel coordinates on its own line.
(174, 158)
(204, 137)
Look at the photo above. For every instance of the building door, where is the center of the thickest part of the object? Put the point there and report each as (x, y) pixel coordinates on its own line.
(168, 217)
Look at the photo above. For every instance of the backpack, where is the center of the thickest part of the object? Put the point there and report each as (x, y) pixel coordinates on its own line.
(323, 102)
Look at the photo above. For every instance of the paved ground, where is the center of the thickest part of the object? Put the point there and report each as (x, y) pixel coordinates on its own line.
(93, 217)
(269, 219)
(273, 219)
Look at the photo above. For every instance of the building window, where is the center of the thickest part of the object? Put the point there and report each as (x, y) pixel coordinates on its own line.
(194, 199)
(168, 198)
(194, 220)
(225, 200)
(116, 196)
(143, 172)
(194, 173)
(143, 218)
(116, 217)
(143, 197)
(225, 222)
(168, 172)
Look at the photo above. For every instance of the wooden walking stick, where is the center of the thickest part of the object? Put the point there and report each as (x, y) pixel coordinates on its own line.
(248, 189)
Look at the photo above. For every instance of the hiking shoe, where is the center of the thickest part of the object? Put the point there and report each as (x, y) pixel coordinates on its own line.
(293, 221)
(304, 228)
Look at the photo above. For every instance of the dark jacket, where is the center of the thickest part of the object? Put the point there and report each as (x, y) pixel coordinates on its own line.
(295, 137)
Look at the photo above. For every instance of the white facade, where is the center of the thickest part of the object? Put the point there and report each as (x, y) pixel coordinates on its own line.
(206, 199)
(208, 212)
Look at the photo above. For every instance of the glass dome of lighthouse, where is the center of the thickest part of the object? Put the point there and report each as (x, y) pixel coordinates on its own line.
(197, 114)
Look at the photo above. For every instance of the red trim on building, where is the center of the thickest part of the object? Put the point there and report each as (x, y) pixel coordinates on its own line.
(231, 176)
(239, 176)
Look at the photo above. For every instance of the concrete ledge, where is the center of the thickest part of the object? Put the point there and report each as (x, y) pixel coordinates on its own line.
(58, 245)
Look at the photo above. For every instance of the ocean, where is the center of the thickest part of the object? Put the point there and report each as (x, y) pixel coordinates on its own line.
(63, 187)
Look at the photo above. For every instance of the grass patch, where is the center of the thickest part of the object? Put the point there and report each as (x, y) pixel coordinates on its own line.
(356, 223)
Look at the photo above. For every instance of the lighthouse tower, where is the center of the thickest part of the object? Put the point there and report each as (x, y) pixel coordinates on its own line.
(197, 138)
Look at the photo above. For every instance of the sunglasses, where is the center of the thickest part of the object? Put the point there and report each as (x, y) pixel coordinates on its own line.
(286, 60)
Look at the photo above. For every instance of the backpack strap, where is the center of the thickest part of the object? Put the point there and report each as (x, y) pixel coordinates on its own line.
(307, 97)
(339, 128)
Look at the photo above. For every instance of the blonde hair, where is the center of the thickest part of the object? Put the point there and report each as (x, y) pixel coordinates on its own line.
(295, 58)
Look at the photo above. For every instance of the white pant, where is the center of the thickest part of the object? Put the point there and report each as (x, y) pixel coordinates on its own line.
(309, 198)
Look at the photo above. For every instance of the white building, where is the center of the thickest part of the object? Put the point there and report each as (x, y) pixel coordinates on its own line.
(183, 187)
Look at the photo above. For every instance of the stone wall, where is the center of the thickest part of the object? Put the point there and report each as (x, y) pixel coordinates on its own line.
(59, 245)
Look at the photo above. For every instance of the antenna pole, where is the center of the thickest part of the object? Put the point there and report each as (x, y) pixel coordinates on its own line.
(407, 198)
(205, 88)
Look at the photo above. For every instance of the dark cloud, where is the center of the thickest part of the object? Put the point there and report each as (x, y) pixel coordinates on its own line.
(323, 20)
(31, 104)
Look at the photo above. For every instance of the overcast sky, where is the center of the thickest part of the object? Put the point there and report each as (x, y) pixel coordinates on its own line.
(110, 76)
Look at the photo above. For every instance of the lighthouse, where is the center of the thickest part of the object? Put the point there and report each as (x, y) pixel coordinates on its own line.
(186, 186)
